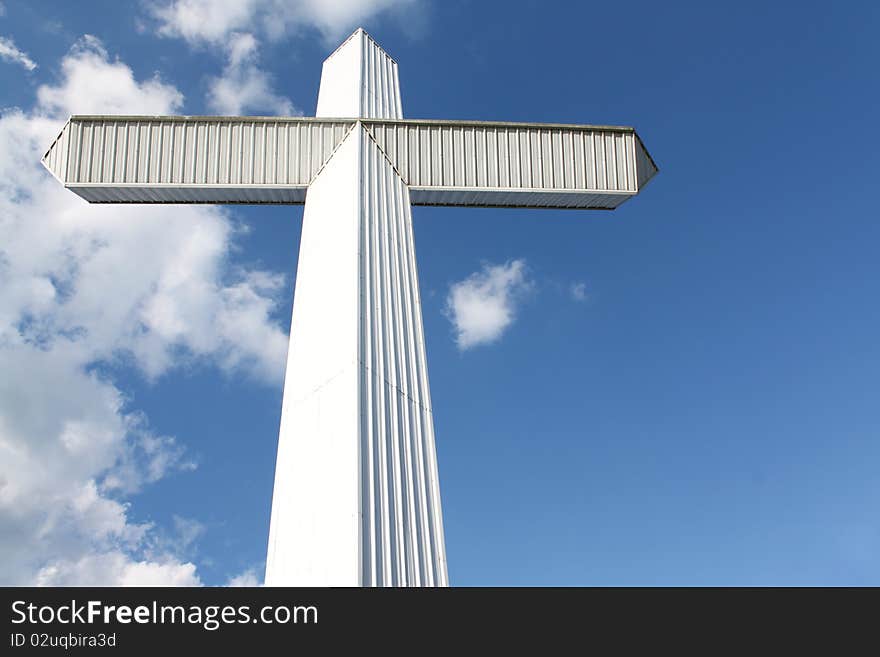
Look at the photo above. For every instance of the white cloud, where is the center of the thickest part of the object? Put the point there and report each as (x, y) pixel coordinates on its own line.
(248, 578)
(116, 569)
(82, 286)
(243, 86)
(237, 26)
(92, 84)
(204, 20)
(213, 21)
(578, 291)
(483, 305)
(11, 53)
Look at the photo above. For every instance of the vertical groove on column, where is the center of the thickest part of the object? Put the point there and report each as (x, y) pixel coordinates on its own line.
(393, 377)
(368, 433)
(405, 363)
(415, 561)
(381, 352)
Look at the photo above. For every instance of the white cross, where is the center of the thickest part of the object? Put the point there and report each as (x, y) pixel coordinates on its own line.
(356, 499)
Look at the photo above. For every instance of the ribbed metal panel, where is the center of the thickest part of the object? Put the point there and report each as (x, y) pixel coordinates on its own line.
(402, 521)
(380, 96)
(247, 194)
(510, 156)
(172, 157)
(57, 158)
(360, 79)
(253, 160)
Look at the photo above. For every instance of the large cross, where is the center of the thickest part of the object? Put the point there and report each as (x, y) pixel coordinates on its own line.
(356, 499)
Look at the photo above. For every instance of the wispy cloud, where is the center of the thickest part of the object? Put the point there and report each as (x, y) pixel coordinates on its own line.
(578, 291)
(483, 305)
(243, 86)
(213, 21)
(11, 53)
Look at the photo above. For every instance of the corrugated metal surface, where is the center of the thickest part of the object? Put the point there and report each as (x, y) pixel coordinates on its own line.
(356, 448)
(403, 540)
(256, 160)
(485, 155)
(248, 194)
(380, 97)
(237, 151)
(57, 158)
(359, 79)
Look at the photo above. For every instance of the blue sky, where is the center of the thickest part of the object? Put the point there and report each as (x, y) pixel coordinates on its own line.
(706, 413)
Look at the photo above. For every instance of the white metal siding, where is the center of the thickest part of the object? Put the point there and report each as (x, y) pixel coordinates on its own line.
(380, 91)
(193, 151)
(402, 535)
(315, 527)
(356, 449)
(268, 160)
(505, 156)
(359, 80)
(247, 194)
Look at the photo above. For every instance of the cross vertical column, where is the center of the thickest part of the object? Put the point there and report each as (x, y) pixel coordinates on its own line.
(356, 499)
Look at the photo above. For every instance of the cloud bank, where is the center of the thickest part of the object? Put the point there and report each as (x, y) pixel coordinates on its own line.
(83, 286)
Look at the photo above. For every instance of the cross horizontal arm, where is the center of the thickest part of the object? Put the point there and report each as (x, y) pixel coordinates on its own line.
(257, 160)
